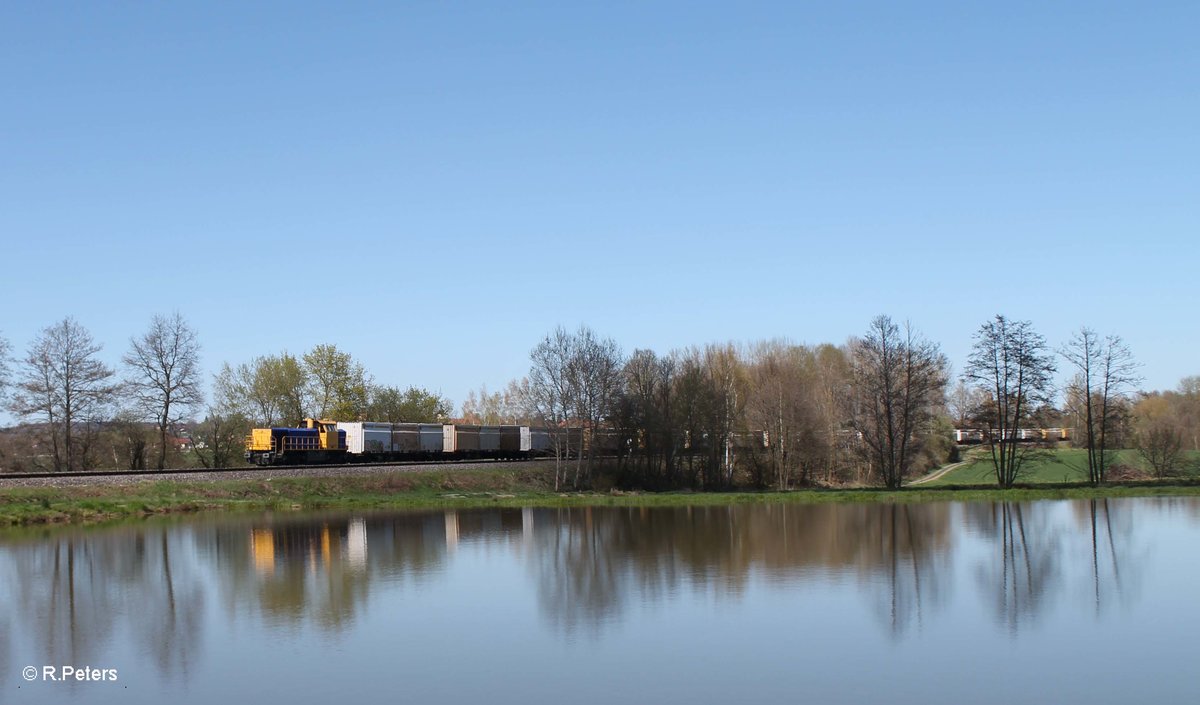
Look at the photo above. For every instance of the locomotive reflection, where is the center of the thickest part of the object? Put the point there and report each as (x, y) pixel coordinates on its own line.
(317, 546)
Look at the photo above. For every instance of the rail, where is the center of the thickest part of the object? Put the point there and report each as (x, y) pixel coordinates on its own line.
(44, 475)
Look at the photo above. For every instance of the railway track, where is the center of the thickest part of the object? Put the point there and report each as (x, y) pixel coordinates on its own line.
(267, 470)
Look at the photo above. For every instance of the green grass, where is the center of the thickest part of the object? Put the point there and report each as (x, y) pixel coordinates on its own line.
(514, 487)
(1058, 466)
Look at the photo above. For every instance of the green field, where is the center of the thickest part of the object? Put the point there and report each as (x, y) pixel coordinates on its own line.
(1051, 466)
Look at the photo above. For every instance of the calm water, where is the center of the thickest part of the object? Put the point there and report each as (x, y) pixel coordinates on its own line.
(1049, 602)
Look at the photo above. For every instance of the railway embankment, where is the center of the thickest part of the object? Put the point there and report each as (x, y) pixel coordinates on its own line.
(94, 500)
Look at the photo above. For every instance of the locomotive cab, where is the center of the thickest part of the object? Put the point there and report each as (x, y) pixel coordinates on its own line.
(328, 435)
(314, 441)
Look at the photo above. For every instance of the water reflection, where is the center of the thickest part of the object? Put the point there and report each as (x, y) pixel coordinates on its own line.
(1033, 553)
(1024, 563)
(74, 596)
(591, 564)
(1116, 560)
(69, 595)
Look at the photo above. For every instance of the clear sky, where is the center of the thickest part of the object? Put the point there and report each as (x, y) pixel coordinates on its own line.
(433, 186)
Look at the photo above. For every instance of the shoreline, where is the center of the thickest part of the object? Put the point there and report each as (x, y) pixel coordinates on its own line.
(81, 504)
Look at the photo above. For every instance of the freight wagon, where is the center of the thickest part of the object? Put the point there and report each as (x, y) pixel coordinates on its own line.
(320, 441)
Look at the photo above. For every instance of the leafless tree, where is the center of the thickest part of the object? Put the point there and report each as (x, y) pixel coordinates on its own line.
(838, 459)
(964, 403)
(129, 439)
(596, 369)
(1161, 447)
(1010, 363)
(898, 379)
(1160, 431)
(63, 386)
(220, 438)
(645, 413)
(499, 407)
(5, 372)
(552, 391)
(725, 374)
(1106, 372)
(779, 402)
(574, 382)
(164, 374)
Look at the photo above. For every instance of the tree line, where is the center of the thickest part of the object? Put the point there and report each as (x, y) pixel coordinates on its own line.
(79, 413)
(878, 409)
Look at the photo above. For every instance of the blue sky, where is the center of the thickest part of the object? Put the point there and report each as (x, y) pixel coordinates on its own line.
(434, 186)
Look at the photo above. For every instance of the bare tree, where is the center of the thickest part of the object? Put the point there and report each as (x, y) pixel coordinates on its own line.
(5, 371)
(220, 438)
(726, 376)
(1106, 372)
(837, 456)
(66, 388)
(129, 440)
(484, 407)
(1159, 436)
(596, 369)
(779, 402)
(552, 391)
(645, 413)
(1161, 447)
(164, 374)
(574, 381)
(964, 403)
(1010, 363)
(899, 378)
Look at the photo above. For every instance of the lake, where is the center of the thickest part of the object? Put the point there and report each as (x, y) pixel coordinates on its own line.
(1043, 602)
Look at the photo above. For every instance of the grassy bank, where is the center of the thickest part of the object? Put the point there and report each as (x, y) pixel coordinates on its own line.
(1058, 466)
(458, 489)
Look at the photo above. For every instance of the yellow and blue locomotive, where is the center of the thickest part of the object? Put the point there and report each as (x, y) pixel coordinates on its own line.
(316, 441)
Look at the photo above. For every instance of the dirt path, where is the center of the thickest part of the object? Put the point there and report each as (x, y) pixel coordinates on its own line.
(938, 473)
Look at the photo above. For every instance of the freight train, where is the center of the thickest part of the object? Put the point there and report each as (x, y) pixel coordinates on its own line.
(971, 436)
(322, 441)
(319, 441)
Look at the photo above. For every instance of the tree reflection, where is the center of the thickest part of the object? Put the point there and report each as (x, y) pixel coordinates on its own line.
(589, 564)
(1025, 565)
(1115, 562)
(5, 647)
(171, 622)
(72, 591)
(913, 572)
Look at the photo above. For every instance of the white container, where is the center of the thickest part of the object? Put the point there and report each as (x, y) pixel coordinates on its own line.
(367, 436)
(354, 435)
